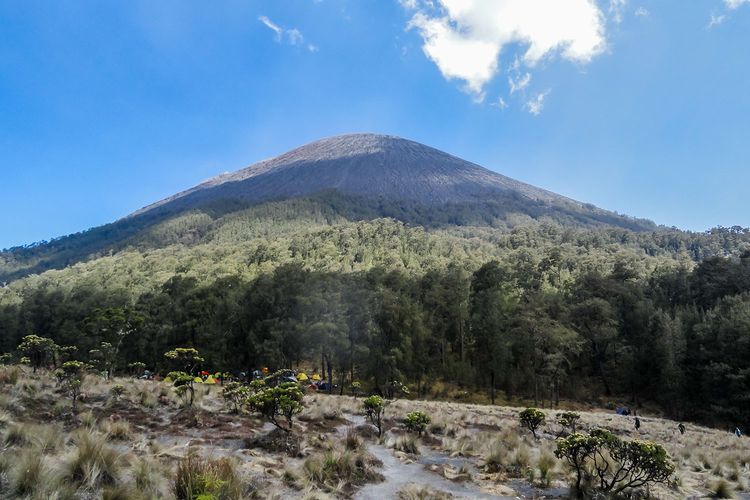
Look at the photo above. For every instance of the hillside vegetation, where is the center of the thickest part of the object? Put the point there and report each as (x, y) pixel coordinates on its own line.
(538, 312)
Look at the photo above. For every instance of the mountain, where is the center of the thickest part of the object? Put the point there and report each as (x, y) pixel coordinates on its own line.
(356, 176)
(373, 166)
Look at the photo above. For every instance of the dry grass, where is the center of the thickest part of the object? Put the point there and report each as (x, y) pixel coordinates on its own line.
(137, 446)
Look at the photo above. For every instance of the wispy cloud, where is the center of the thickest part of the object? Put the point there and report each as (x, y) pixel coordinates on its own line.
(734, 4)
(642, 12)
(292, 36)
(519, 83)
(716, 20)
(617, 9)
(465, 38)
(536, 105)
(273, 27)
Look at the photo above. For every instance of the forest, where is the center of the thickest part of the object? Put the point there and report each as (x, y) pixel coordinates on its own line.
(539, 313)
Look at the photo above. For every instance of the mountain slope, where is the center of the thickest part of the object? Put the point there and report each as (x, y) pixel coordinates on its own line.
(357, 177)
(366, 165)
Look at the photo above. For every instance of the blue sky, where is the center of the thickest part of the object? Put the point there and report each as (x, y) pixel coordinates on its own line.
(636, 106)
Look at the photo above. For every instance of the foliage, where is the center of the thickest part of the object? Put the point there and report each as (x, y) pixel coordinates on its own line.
(283, 400)
(613, 465)
(521, 309)
(186, 358)
(70, 375)
(39, 350)
(117, 391)
(235, 394)
(568, 420)
(183, 384)
(136, 368)
(374, 407)
(417, 421)
(532, 419)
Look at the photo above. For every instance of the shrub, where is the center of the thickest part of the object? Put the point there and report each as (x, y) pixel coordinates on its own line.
(374, 407)
(205, 479)
(356, 388)
(532, 419)
(183, 386)
(568, 420)
(39, 351)
(614, 465)
(284, 400)
(70, 375)
(234, 394)
(117, 391)
(417, 421)
(136, 368)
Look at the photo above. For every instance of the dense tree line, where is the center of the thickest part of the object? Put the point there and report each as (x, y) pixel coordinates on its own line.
(530, 325)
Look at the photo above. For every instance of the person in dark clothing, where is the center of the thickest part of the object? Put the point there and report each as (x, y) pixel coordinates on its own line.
(681, 427)
(637, 423)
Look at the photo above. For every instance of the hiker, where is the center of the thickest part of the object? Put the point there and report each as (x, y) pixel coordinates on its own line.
(637, 423)
(737, 432)
(681, 427)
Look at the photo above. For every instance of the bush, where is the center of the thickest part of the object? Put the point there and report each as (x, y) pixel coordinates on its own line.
(374, 407)
(70, 375)
(235, 394)
(183, 386)
(284, 400)
(568, 420)
(117, 391)
(614, 465)
(532, 419)
(417, 421)
(204, 479)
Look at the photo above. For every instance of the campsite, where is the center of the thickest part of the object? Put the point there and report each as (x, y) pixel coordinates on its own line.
(133, 437)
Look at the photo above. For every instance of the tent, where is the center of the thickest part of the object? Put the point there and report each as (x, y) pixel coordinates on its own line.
(316, 377)
(198, 380)
(210, 380)
(302, 377)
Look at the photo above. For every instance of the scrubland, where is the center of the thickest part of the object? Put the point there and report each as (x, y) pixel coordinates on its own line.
(141, 442)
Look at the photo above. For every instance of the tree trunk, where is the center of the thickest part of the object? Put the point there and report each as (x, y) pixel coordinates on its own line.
(492, 390)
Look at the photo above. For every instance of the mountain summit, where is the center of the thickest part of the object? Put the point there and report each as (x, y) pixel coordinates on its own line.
(367, 165)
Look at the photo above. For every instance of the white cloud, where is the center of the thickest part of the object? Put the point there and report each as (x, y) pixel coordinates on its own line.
(616, 9)
(536, 105)
(642, 12)
(295, 36)
(465, 38)
(501, 103)
(273, 27)
(519, 83)
(734, 4)
(292, 36)
(716, 20)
